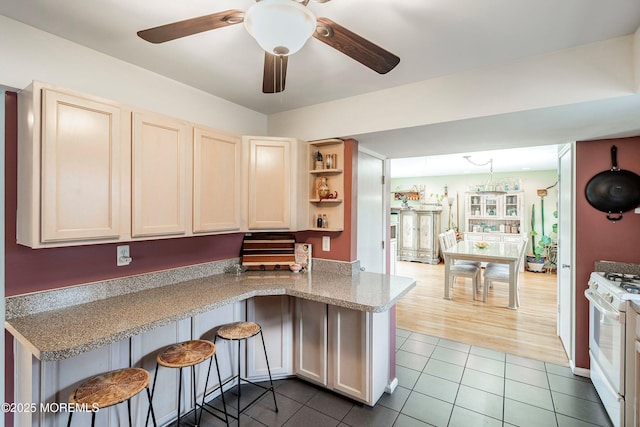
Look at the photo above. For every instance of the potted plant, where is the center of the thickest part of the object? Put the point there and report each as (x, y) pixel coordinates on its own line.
(540, 249)
(535, 260)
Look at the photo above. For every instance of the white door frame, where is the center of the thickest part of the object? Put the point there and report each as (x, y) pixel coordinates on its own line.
(566, 251)
(384, 188)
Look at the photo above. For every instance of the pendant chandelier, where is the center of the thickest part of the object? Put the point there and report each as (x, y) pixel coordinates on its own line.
(489, 189)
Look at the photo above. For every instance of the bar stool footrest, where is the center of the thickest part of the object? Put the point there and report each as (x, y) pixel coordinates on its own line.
(265, 390)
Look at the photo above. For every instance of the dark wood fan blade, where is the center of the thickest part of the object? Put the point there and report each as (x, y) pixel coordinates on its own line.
(275, 73)
(176, 30)
(354, 46)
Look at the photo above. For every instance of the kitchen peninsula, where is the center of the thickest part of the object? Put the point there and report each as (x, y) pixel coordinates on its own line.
(330, 328)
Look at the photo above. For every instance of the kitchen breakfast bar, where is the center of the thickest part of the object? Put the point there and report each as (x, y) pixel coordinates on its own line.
(331, 328)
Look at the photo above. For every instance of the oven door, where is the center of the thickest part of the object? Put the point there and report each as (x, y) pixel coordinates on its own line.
(606, 351)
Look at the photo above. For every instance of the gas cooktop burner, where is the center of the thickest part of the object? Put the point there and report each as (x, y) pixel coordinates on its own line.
(632, 288)
(620, 277)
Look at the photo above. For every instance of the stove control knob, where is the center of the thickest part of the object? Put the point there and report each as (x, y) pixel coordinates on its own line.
(593, 285)
(607, 297)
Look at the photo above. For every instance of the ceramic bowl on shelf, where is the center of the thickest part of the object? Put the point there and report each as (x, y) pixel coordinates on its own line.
(482, 245)
(295, 268)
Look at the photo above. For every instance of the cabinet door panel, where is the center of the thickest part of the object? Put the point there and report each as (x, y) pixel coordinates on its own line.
(349, 351)
(311, 341)
(274, 315)
(269, 184)
(204, 326)
(407, 230)
(144, 350)
(80, 168)
(216, 181)
(426, 238)
(159, 175)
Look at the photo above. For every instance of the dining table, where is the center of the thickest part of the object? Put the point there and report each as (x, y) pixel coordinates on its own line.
(510, 253)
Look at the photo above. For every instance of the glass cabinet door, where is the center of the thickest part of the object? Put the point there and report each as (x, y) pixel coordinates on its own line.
(475, 206)
(511, 206)
(490, 206)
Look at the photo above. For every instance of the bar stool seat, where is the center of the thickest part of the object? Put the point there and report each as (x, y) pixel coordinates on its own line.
(111, 388)
(184, 355)
(238, 331)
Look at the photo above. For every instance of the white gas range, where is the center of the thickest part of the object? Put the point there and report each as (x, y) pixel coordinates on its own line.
(611, 355)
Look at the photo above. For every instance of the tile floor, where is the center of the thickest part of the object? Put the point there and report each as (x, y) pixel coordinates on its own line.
(441, 383)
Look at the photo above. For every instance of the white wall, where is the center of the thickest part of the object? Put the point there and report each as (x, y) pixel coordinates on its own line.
(459, 184)
(29, 54)
(592, 72)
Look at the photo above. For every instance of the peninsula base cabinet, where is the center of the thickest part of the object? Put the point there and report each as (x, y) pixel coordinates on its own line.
(342, 349)
(42, 388)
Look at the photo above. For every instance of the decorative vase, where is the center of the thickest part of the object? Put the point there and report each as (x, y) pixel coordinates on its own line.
(323, 188)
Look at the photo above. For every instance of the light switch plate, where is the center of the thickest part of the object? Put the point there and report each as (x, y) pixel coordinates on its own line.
(326, 243)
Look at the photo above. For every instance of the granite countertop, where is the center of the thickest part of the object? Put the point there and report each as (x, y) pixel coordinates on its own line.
(64, 332)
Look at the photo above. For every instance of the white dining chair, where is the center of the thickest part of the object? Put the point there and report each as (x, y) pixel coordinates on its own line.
(497, 272)
(462, 270)
(450, 241)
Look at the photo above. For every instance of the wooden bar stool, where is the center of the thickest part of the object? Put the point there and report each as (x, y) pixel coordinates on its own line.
(189, 354)
(239, 331)
(111, 388)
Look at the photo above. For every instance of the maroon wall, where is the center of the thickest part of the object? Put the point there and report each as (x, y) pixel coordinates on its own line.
(596, 237)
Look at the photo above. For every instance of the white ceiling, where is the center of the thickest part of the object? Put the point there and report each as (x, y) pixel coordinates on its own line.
(433, 38)
(511, 160)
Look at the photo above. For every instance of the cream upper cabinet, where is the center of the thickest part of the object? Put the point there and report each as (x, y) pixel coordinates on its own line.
(72, 164)
(216, 181)
(271, 172)
(159, 175)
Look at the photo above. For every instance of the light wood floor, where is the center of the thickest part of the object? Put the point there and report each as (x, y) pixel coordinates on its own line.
(529, 331)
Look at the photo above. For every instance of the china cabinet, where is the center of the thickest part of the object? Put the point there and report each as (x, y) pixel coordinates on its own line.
(495, 217)
(326, 185)
(418, 235)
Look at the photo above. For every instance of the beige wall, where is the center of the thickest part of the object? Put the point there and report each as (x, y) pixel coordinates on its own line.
(458, 185)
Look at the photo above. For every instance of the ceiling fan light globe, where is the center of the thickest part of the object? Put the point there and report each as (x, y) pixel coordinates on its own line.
(280, 25)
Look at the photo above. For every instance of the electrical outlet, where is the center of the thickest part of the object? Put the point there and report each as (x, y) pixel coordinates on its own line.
(122, 256)
(326, 243)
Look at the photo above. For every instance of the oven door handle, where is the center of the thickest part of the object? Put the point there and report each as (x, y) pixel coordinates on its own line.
(601, 305)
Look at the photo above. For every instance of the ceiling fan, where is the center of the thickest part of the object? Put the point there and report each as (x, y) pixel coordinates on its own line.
(281, 28)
